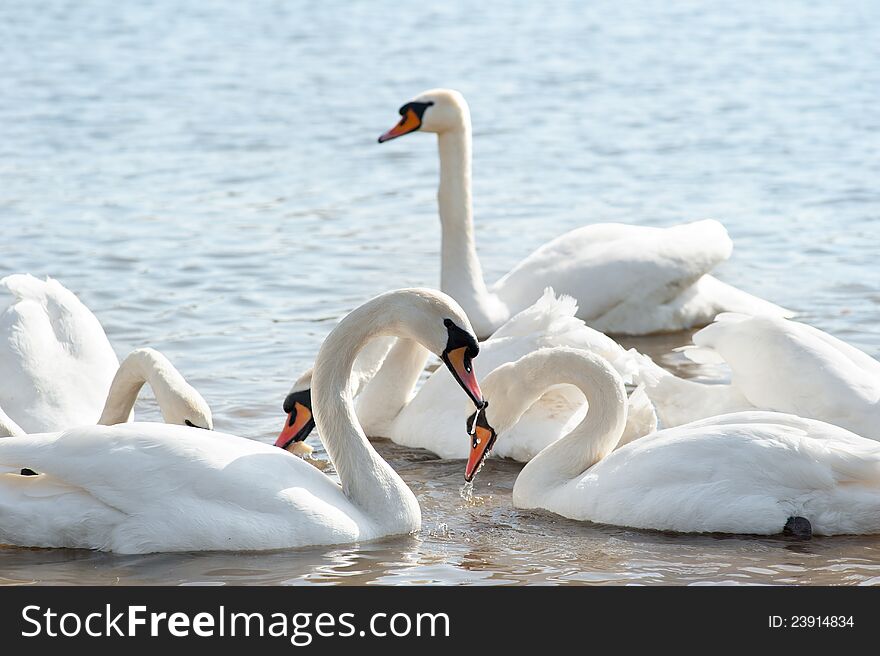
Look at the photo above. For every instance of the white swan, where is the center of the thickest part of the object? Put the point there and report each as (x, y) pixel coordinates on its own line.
(55, 361)
(626, 279)
(139, 488)
(430, 419)
(178, 401)
(747, 472)
(778, 365)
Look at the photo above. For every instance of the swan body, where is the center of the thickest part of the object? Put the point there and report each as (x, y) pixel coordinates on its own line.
(626, 279)
(145, 487)
(746, 472)
(142, 487)
(56, 364)
(775, 364)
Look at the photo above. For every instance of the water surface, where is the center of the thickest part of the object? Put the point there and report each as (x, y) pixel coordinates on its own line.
(206, 178)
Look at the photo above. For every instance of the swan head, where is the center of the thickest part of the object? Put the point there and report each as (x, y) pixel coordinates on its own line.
(458, 354)
(493, 419)
(188, 408)
(437, 111)
(505, 388)
(439, 324)
(300, 421)
(482, 437)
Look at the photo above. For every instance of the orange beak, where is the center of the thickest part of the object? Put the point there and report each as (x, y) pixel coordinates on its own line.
(409, 123)
(459, 363)
(482, 440)
(297, 427)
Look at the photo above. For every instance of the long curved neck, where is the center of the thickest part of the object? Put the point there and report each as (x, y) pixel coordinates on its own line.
(141, 366)
(461, 275)
(366, 478)
(8, 428)
(390, 389)
(592, 439)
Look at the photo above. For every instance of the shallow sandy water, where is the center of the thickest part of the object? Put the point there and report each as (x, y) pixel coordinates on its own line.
(208, 181)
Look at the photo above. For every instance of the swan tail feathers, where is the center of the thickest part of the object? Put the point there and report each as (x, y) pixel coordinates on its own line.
(627, 363)
(554, 318)
(549, 314)
(649, 374)
(25, 287)
(855, 461)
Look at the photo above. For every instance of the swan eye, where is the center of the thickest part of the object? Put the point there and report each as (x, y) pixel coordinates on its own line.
(418, 108)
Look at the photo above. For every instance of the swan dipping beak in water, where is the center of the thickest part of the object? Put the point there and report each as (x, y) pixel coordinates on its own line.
(300, 422)
(483, 438)
(461, 348)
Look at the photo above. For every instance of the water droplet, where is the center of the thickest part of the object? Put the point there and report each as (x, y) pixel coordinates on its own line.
(467, 492)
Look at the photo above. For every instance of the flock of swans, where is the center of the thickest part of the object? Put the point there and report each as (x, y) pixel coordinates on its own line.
(790, 445)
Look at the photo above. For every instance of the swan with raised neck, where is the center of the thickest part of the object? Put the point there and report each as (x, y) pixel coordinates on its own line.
(627, 279)
(461, 275)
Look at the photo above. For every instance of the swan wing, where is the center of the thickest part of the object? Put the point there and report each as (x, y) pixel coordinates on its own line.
(552, 321)
(178, 488)
(607, 266)
(680, 401)
(791, 367)
(740, 473)
(56, 364)
(38, 511)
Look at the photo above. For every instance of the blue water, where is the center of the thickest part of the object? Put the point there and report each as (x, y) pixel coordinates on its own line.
(206, 177)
